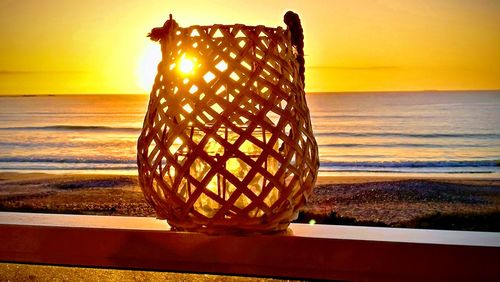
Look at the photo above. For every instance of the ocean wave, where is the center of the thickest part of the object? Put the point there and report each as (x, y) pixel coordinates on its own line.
(408, 171)
(413, 164)
(63, 160)
(402, 145)
(87, 168)
(374, 164)
(360, 116)
(409, 135)
(331, 134)
(73, 128)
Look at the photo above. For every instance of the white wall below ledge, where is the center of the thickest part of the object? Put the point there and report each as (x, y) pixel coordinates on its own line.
(309, 251)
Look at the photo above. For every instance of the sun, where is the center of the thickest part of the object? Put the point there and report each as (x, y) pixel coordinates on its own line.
(186, 65)
(147, 66)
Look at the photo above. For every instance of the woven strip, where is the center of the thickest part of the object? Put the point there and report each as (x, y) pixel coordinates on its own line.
(227, 147)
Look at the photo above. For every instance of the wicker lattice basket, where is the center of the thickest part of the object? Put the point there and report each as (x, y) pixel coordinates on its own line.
(227, 144)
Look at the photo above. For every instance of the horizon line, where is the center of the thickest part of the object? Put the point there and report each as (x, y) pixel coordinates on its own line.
(307, 92)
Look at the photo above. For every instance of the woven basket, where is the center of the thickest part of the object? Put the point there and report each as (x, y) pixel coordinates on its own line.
(227, 143)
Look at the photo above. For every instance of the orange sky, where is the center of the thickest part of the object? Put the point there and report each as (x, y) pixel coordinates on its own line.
(94, 46)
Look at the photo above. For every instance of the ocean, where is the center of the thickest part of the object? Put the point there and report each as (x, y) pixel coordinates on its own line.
(431, 133)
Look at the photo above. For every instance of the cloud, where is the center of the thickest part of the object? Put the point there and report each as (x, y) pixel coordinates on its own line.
(360, 68)
(31, 72)
(14, 72)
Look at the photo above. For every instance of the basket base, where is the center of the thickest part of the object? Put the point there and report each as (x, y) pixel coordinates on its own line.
(229, 230)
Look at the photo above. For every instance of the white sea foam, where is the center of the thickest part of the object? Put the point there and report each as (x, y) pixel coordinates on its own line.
(421, 132)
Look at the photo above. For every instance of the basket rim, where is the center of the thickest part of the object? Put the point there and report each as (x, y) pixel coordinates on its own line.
(225, 26)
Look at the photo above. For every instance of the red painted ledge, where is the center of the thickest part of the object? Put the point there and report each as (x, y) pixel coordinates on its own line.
(310, 252)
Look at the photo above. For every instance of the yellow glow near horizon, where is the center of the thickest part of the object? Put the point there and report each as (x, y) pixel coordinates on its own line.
(146, 69)
(387, 45)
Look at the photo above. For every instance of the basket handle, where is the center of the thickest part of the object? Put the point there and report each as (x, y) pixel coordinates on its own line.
(159, 33)
(292, 21)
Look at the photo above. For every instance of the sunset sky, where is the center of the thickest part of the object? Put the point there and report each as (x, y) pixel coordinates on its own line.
(95, 46)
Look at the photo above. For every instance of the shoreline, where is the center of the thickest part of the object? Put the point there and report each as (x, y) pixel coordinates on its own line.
(322, 176)
(417, 202)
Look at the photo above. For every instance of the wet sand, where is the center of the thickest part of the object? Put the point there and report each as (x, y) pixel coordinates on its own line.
(461, 204)
(451, 203)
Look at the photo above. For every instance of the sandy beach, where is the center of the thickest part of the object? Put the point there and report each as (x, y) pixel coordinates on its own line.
(451, 203)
